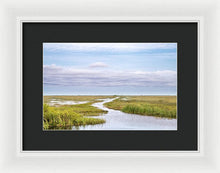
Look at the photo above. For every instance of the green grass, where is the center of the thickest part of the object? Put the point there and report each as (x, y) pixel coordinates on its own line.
(83, 109)
(67, 116)
(159, 106)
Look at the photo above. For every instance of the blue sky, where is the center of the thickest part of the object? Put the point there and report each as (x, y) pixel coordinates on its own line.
(109, 68)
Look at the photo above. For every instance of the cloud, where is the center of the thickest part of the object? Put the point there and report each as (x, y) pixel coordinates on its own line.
(67, 76)
(109, 47)
(98, 64)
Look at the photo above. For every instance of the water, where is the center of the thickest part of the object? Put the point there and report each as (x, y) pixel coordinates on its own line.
(55, 102)
(117, 120)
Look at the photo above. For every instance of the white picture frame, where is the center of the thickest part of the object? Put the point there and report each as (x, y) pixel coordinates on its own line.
(204, 160)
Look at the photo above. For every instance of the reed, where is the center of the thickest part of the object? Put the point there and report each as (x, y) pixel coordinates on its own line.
(147, 109)
(64, 117)
(159, 106)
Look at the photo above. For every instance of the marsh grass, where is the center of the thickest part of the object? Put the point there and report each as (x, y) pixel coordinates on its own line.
(159, 106)
(67, 116)
(84, 109)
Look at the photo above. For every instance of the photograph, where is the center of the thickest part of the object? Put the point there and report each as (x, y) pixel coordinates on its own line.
(109, 86)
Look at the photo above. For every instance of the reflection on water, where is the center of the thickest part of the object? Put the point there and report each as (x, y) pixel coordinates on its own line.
(117, 120)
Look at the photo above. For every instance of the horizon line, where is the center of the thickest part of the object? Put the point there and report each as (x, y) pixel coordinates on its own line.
(111, 95)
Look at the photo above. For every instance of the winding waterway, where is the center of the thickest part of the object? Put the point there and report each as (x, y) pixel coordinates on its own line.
(118, 120)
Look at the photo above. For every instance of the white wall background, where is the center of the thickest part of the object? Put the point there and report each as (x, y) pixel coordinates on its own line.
(209, 10)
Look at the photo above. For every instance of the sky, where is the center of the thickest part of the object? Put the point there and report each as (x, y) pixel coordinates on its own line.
(109, 68)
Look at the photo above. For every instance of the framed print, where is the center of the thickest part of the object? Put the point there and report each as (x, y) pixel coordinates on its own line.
(110, 86)
(192, 145)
